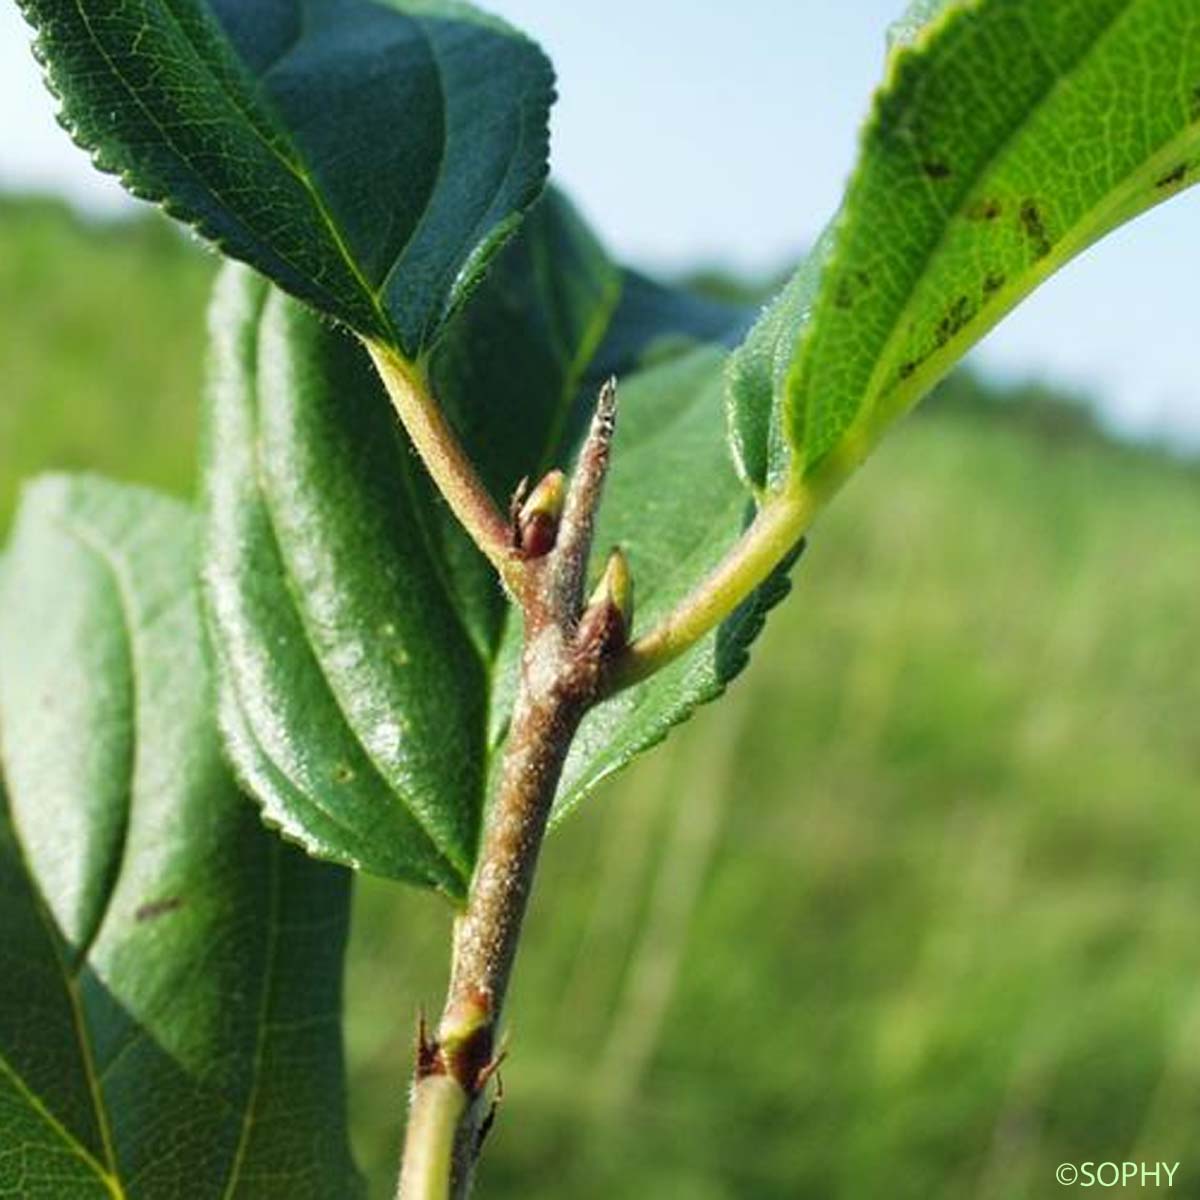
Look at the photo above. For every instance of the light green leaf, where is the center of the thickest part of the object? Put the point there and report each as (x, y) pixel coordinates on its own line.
(369, 156)
(170, 971)
(366, 649)
(1008, 137)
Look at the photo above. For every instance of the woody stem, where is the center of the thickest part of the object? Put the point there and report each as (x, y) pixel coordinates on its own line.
(568, 652)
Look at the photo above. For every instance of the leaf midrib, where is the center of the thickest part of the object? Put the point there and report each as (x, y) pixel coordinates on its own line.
(111, 1183)
(293, 162)
(107, 1175)
(249, 372)
(264, 1007)
(94, 547)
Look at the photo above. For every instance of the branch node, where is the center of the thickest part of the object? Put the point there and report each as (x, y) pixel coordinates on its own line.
(429, 1061)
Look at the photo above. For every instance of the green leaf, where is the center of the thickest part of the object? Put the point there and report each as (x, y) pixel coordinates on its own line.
(355, 624)
(170, 971)
(349, 689)
(758, 371)
(1009, 136)
(366, 650)
(369, 157)
(674, 503)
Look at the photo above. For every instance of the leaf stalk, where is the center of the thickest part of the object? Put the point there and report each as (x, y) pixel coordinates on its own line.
(445, 459)
(780, 524)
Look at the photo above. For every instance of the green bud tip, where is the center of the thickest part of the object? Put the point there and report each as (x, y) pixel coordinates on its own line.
(547, 499)
(616, 587)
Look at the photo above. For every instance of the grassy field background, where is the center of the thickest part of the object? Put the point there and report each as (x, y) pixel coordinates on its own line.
(912, 914)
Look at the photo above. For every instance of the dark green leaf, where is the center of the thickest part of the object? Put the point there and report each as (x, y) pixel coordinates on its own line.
(350, 691)
(369, 156)
(1009, 136)
(366, 648)
(170, 971)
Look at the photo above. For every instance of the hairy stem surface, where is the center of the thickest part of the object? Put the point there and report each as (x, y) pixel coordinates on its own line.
(444, 457)
(569, 648)
(454, 1069)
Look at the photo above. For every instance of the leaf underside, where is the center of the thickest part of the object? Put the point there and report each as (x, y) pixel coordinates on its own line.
(170, 971)
(369, 156)
(1008, 137)
(366, 651)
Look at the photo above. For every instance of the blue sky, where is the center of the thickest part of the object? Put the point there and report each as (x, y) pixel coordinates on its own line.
(690, 130)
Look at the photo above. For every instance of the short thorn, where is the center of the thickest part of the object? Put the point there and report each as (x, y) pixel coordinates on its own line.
(485, 1126)
(606, 404)
(492, 1069)
(583, 499)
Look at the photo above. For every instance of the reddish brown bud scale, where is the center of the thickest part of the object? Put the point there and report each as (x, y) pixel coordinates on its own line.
(537, 536)
(536, 518)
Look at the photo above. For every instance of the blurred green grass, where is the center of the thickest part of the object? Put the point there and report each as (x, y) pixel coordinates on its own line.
(913, 913)
(102, 350)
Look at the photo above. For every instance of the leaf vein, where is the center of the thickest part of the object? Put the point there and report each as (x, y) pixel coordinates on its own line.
(264, 1008)
(56, 1126)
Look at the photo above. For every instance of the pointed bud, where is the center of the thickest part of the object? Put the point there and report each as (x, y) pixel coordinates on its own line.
(539, 515)
(608, 618)
(616, 586)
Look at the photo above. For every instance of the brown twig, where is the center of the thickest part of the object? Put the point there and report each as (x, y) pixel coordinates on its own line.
(569, 647)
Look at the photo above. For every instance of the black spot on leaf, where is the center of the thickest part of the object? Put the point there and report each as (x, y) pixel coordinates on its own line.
(1171, 178)
(1034, 225)
(935, 169)
(910, 368)
(957, 315)
(985, 210)
(849, 287)
(992, 284)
